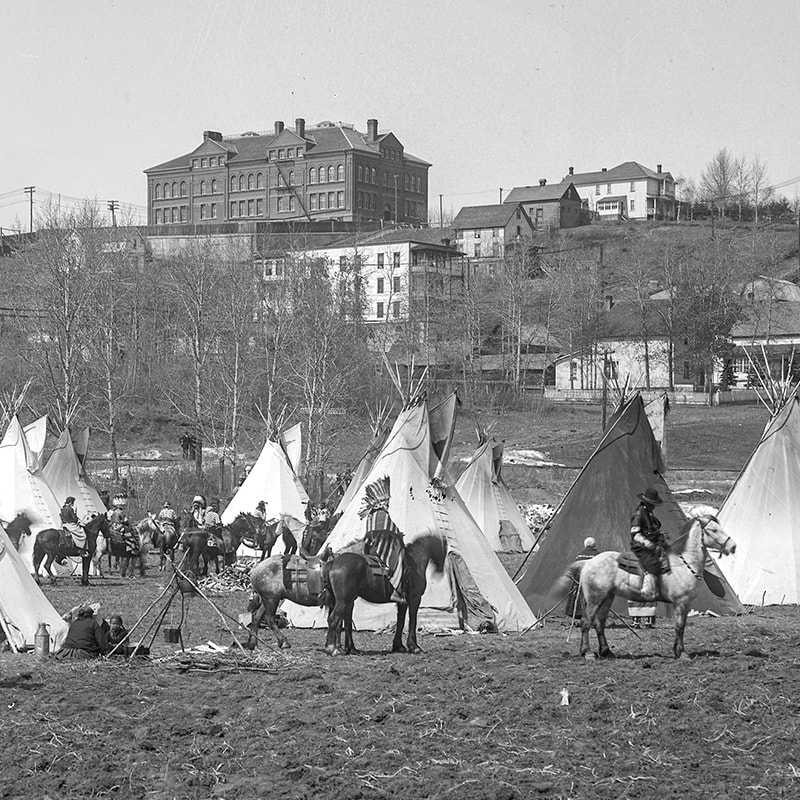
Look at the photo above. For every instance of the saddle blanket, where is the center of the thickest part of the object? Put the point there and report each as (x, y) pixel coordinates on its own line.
(303, 574)
(628, 562)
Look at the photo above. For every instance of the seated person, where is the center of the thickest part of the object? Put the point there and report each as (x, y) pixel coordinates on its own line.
(117, 632)
(85, 638)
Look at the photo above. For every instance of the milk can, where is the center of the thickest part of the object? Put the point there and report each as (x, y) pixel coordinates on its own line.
(41, 641)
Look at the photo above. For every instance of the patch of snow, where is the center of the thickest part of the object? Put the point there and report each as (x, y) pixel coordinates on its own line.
(531, 458)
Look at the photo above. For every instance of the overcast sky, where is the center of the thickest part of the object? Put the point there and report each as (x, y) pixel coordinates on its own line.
(493, 94)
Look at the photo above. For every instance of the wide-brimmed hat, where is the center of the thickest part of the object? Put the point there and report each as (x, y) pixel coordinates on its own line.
(650, 495)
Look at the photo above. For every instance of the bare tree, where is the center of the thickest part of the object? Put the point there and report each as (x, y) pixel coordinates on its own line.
(717, 178)
(762, 191)
(742, 182)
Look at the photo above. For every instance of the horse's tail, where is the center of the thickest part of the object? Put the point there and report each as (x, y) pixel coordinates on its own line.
(568, 581)
(254, 603)
(326, 598)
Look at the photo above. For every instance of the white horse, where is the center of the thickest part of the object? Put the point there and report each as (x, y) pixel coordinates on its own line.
(602, 579)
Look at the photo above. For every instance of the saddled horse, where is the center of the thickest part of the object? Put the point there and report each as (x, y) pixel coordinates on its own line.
(48, 543)
(602, 579)
(18, 528)
(354, 575)
(244, 525)
(166, 541)
(131, 550)
(267, 534)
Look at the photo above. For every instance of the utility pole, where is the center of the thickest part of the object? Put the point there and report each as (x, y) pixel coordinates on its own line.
(395, 198)
(113, 205)
(501, 195)
(441, 215)
(29, 190)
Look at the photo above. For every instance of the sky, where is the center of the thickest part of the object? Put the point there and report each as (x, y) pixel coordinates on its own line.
(495, 94)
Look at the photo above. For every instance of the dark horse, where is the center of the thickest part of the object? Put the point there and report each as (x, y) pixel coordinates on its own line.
(19, 527)
(166, 541)
(48, 543)
(132, 550)
(352, 576)
(244, 525)
(315, 534)
(267, 533)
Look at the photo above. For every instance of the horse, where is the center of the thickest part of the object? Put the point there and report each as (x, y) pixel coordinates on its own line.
(19, 527)
(244, 525)
(119, 547)
(351, 576)
(602, 579)
(48, 543)
(166, 541)
(267, 533)
(315, 534)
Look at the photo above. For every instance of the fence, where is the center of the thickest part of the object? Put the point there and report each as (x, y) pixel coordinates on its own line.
(676, 397)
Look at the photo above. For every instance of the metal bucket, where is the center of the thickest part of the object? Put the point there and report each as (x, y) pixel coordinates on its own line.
(172, 635)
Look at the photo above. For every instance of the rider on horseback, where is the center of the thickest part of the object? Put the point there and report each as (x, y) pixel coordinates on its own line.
(71, 523)
(212, 525)
(121, 526)
(197, 517)
(649, 543)
(384, 539)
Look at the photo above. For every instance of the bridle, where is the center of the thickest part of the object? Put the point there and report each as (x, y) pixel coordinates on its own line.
(709, 518)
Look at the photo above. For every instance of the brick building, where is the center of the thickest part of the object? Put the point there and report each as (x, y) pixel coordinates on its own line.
(329, 171)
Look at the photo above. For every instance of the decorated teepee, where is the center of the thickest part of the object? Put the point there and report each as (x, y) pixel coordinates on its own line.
(760, 515)
(488, 499)
(421, 504)
(600, 503)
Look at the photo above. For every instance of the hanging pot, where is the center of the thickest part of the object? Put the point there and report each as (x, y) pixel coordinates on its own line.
(172, 635)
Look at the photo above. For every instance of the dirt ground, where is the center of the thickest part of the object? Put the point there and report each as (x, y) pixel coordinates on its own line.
(473, 716)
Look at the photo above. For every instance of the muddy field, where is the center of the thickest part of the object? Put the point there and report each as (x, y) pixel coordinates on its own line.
(474, 716)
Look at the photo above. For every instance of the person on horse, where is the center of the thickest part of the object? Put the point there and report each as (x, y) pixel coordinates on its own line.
(384, 539)
(212, 525)
(197, 516)
(72, 525)
(649, 543)
(574, 606)
(168, 516)
(121, 526)
(261, 510)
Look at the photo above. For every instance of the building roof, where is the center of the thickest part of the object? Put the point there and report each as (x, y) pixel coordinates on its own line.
(627, 171)
(325, 137)
(538, 194)
(624, 320)
(476, 217)
(768, 321)
(439, 238)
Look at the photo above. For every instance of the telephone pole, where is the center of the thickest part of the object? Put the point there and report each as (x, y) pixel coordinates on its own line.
(29, 190)
(501, 195)
(113, 205)
(441, 216)
(395, 199)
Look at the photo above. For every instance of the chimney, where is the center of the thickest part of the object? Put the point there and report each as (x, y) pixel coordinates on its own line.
(604, 170)
(278, 126)
(658, 168)
(213, 135)
(542, 181)
(300, 127)
(372, 130)
(572, 170)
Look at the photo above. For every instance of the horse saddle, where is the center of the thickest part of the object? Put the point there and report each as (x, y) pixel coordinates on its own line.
(65, 540)
(628, 562)
(377, 567)
(304, 574)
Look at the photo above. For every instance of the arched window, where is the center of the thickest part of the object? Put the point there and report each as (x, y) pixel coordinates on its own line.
(166, 190)
(214, 185)
(340, 172)
(360, 172)
(233, 183)
(330, 174)
(158, 191)
(202, 187)
(183, 188)
(321, 175)
(312, 176)
(374, 176)
(175, 189)
(260, 180)
(291, 177)
(251, 181)
(241, 183)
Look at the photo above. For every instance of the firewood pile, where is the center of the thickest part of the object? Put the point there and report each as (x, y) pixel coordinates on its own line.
(233, 578)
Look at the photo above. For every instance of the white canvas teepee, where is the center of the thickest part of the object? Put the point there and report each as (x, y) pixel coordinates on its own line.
(24, 488)
(36, 435)
(488, 499)
(64, 471)
(23, 604)
(272, 480)
(292, 443)
(762, 512)
(473, 574)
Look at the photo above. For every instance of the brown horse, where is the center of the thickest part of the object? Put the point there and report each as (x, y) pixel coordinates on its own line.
(351, 576)
(166, 541)
(315, 534)
(244, 525)
(267, 534)
(19, 527)
(601, 579)
(48, 543)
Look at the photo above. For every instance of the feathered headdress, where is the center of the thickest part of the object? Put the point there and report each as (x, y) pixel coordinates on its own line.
(376, 496)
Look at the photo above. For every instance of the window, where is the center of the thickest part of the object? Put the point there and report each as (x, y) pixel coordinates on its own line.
(291, 177)
(213, 211)
(233, 183)
(183, 189)
(597, 189)
(260, 207)
(633, 186)
(340, 172)
(184, 213)
(321, 175)
(687, 371)
(158, 191)
(322, 201)
(202, 187)
(608, 188)
(241, 208)
(312, 176)
(280, 204)
(340, 199)
(194, 163)
(221, 161)
(379, 311)
(166, 190)
(203, 211)
(396, 309)
(539, 214)
(241, 183)
(175, 189)
(360, 172)
(291, 204)
(312, 201)
(251, 181)
(281, 153)
(203, 162)
(158, 216)
(330, 174)
(214, 186)
(396, 284)
(233, 209)
(250, 208)
(260, 180)
(406, 177)
(361, 200)
(290, 152)
(396, 259)
(212, 162)
(331, 199)
(633, 205)
(174, 214)
(478, 250)
(381, 286)
(272, 155)
(374, 176)
(380, 260)
(385, 178)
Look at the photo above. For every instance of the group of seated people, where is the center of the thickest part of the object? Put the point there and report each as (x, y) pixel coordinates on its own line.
(87, 638)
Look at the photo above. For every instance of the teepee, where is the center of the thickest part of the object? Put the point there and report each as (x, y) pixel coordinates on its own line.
(24, 488)
(36, 435)
(759, 514)
(473, 577)
(488, 499)
(600, 503)
(23, 605)
(272, 480)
